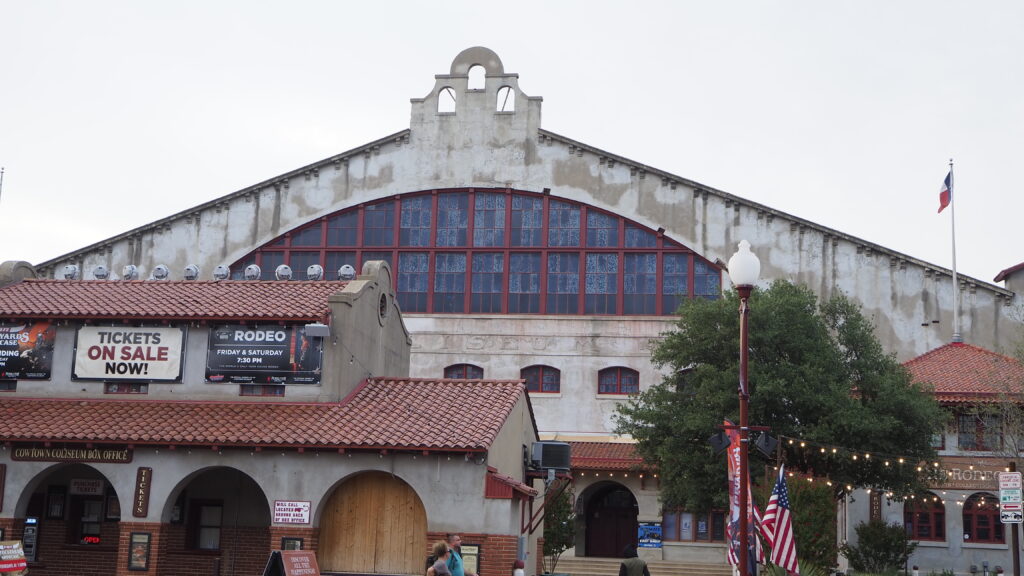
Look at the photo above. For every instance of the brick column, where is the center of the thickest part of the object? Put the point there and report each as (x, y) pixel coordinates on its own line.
(124, 546)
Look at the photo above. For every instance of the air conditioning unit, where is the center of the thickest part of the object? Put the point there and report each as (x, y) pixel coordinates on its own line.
(549, 455)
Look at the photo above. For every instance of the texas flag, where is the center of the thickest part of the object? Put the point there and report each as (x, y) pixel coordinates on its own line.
(946, 194)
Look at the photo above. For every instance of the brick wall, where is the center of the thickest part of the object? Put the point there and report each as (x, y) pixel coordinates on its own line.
(497, 551)
(57, 557)
(310, 536)
(243, 552)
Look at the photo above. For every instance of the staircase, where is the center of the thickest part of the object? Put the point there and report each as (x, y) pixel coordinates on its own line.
(610, 567)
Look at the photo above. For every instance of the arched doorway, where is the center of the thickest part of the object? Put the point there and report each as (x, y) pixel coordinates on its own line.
(611, 520)
(75, 514)
(374, 523)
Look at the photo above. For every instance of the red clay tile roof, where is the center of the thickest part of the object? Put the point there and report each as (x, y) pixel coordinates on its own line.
(963, 373)
(397, 414)
(604, 456)
(1008, 272)
(168, 300)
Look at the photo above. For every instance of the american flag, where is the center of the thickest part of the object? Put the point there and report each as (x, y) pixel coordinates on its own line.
(778, 527)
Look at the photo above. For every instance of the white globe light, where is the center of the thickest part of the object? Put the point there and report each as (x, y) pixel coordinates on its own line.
(744, 267)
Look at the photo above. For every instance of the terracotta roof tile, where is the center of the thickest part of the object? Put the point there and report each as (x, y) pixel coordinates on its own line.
(604, 456)
(399, 414)
(963, 373)
(168, 300)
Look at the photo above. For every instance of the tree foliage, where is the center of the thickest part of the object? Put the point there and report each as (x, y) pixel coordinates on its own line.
(816, 372)
(880, 547)
(559, 529)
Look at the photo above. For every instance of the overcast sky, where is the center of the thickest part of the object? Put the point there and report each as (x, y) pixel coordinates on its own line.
(114, 114)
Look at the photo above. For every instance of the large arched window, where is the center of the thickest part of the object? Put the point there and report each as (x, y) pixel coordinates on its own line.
(981, 519)
(541, 378)
(618, 380)
(925, 518)
(487, 251)
(464, 372)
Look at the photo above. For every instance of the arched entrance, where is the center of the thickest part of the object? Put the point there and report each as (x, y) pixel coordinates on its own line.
(374, 523)
(611, 519)
(75, 512)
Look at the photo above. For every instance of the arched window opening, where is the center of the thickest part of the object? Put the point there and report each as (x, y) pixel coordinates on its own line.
(495, 251)
(541, 378)
(506, 99)
(618, 380)
(981, 519)
(925, 518)
(446, 100)
(477, 77)
(464, 372)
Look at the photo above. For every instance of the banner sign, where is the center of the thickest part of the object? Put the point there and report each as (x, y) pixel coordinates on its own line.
(735, 485)
(115, 353)
(26, 350)
(263, 354)
(108, 455)
(649, 535)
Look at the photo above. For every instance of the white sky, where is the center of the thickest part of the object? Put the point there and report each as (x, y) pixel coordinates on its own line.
(114, 114)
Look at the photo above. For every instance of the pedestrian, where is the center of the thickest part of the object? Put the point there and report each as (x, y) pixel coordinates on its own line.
(455, 564)
(632, 565)
(440, 567)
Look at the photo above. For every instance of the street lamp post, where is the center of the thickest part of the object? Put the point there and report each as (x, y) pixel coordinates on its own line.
(744, 269)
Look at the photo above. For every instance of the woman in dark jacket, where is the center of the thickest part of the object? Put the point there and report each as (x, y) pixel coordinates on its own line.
(632, 565)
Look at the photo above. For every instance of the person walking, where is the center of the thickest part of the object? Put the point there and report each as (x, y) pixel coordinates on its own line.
(440, 567)
(455, 563)
(632, 565)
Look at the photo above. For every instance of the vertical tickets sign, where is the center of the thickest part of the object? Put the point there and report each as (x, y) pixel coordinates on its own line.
(26, 350)
(114, 353)
(263, 354)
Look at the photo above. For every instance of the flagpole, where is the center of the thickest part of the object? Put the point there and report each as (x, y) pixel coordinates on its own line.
(956, 282)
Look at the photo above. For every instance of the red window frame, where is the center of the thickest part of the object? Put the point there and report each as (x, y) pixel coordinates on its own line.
(617, 374)
(463, 372)
(925, 518)
(981, 519)
(535, 376)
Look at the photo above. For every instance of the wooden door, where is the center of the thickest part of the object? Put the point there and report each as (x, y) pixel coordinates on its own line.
(611, 522)
(374, 523)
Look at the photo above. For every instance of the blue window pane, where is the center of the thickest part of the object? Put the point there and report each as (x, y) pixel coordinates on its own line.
(563, 283)
(563, 224)
(450, 283)
(640, 238)
(379, 224)
(413, 274)
(452, 219)
(524, 283)
(640, 283)
(311, 236)
(489, 220)
(487, 282)
(370, 256)
(541, 378)
(269, 262)
(416, 221)
(464, 372)
(342, 229)
(674, 281)
(618, 381)
(335, 260)
(300, 261)
(601, 283)
(527, 221)
(707, 280)
(602, 230)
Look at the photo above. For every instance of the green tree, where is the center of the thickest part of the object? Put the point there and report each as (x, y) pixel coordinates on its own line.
(880, 548)
(559, 528)
(816, 372)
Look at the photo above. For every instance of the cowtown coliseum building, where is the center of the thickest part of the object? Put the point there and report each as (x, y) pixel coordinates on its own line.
(519, 253)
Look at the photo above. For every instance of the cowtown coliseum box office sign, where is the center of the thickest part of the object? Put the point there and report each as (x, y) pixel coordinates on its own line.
(26, 350)
(263, 354)
(117, 353)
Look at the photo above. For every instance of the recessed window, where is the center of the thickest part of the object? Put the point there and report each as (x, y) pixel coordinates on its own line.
(126, 388)
(204, 523)
(981, 519)
(464, 372)
(925, 518)
(979, 431)
(682, 526)
(542, 378)
(618, 380)
(261, 390)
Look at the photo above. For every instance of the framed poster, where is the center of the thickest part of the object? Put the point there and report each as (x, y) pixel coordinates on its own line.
(263, 354)
(138, 551)
(288, 543)
(26, 350)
